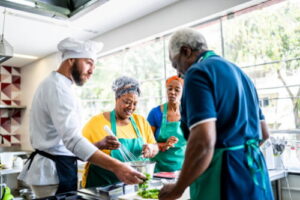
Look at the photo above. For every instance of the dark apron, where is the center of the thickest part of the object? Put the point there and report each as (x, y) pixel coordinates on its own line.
(171, 159)
(98, 176)
(66, 167)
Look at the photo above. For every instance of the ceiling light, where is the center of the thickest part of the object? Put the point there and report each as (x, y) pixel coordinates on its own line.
(23, 2)
(6, 50)
(25, 56)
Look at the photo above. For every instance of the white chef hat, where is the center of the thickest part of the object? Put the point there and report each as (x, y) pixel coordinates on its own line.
(73, 48)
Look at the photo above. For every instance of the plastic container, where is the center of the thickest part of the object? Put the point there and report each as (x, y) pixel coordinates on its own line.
(7, 159)
(18, 163)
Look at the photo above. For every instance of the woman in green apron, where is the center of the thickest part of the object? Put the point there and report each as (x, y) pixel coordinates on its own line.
(221, 109)
(165, 123)
(130, 130)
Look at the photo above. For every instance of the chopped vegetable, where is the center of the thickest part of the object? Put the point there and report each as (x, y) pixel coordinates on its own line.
(147, 194)
(144, 185)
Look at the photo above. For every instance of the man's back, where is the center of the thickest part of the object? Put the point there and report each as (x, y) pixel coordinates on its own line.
(233, 102)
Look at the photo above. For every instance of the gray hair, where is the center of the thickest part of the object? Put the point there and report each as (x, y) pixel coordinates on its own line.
(186, 37)
(124, 85)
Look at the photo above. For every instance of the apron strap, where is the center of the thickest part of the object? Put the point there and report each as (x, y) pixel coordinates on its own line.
(136, 129)
(255, 165)
(47, 155)
(205, 55)
(30, 159)
(254, 162)
(33, 154)
(164, 118)
(113, 122)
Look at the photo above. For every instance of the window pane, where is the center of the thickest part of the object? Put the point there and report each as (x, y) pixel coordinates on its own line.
(212, 34)
(170, 71)
(263, 33)
(145, 62)
(264, 40)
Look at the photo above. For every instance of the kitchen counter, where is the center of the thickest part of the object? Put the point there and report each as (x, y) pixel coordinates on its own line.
(14, 169)
(129, 192)
(9, 176)
(277, 174)
(92, 194)
(71, 196)
(10, 171)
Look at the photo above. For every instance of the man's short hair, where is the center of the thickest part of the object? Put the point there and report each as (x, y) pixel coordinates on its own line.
(186, 37)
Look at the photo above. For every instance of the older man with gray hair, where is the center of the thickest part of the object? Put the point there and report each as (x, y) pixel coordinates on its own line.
(220, 112)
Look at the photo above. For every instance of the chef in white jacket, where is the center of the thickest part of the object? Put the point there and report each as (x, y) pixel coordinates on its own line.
(55, 127)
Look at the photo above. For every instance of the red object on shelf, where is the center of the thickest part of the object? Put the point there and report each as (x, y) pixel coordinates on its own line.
(165, 175)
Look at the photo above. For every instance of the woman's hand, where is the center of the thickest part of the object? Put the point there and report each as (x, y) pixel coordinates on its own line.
(149, 150)
(109, 142)
(171, 141)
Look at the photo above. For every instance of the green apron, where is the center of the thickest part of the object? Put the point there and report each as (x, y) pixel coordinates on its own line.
(98, 176)
(208, 185)
(172, 159)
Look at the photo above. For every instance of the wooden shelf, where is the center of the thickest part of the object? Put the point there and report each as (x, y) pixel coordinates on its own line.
(11, 107)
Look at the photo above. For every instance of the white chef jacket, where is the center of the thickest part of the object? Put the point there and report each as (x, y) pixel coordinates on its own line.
(55, 128)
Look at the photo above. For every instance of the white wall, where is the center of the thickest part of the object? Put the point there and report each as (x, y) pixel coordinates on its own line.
(178, 14)
(32, 75)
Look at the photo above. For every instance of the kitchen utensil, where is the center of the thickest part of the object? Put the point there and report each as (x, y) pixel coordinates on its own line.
(278, 145)
(126, 154)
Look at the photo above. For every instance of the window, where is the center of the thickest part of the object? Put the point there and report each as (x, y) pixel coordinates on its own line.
(263, 40)
(146, 62)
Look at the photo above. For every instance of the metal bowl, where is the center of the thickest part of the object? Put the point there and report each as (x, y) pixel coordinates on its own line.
(143, 166)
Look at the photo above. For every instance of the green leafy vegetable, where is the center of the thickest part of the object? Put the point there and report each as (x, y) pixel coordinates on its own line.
(147, 194)
(144, 185)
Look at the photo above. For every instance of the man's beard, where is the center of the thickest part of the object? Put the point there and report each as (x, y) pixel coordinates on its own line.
(76, 74)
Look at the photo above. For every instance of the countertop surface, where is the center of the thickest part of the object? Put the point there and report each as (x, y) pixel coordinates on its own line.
(277, 174)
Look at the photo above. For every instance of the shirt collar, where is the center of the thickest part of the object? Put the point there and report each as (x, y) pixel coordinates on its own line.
(63, 78)
(205, 55)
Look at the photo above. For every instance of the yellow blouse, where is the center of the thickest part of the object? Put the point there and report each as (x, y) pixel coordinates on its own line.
(94, 132)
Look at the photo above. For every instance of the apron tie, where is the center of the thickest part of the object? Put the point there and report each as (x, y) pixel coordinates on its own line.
(255, 162)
